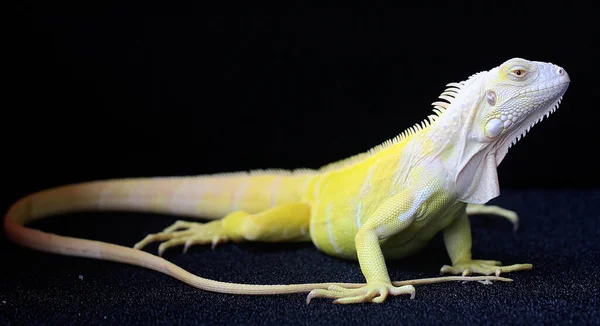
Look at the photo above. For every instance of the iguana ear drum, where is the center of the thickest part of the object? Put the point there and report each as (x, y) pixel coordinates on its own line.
(491, 98)
(493, 128)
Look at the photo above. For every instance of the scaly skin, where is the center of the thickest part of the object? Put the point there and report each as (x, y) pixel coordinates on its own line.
(386, 203)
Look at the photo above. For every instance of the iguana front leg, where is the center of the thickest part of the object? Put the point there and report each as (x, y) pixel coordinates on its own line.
(476, 209)
(395, 215)
(457, 237)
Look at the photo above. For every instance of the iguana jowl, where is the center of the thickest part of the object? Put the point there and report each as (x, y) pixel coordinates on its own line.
(385, 203)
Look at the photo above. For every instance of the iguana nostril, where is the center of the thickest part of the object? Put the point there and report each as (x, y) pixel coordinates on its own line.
(560, 71)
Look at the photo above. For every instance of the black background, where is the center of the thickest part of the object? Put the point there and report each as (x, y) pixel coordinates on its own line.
(149, 89)
(138, 90)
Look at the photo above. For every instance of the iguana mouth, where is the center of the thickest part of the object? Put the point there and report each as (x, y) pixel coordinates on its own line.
(532, 119)
(556, 83)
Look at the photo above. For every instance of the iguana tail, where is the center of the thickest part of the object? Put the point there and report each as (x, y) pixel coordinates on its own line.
(203, 196)
(211, 196)
(206, 196)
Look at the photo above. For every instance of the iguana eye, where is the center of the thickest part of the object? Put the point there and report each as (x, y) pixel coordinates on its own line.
(519, 73)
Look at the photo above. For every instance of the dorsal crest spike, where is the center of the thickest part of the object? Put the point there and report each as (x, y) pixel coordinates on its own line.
(447, 98)
(449, 95)
(441, 104)
(457, 85)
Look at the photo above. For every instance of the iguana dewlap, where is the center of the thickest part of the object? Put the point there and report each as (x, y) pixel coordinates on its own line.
(385, 203)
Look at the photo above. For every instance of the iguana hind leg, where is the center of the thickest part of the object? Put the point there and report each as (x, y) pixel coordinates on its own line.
(287, 222)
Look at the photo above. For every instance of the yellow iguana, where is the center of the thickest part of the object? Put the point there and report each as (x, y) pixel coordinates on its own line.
(385, 203)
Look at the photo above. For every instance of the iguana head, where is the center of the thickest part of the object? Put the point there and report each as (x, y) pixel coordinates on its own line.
(516, 95)
(492, 110)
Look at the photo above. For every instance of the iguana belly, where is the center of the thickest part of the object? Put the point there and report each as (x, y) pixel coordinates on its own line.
(334, 233)
(419, 234)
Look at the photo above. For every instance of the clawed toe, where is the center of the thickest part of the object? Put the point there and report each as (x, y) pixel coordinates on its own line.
(484, 267)
(377, 293)
(186, 234)
(180, 225)
(162, 236)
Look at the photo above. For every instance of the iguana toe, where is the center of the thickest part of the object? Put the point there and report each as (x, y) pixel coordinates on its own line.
(186, 234)
(375, 293)
(485, 267)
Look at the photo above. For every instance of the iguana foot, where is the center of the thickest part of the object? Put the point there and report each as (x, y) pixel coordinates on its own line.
(187, 234)
(485, 267)
(376, 293)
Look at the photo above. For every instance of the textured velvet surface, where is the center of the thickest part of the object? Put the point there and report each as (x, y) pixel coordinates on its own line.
(559, 235)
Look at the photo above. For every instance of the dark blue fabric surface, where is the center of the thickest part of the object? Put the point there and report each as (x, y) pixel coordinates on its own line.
(559, 235)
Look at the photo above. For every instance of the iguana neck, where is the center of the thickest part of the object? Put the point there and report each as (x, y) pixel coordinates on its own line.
(471, 165)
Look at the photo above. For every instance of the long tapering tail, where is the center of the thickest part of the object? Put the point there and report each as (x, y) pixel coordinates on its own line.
(203, 196)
